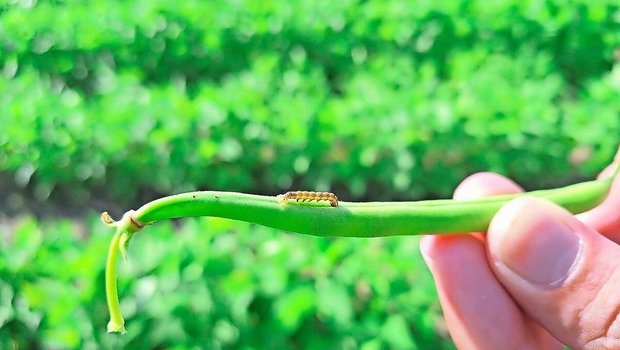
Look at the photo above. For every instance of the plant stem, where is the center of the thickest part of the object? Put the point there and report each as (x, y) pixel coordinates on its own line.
(372, 219)
(117, 323)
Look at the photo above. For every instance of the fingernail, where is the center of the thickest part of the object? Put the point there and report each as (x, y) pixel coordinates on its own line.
(529, 237)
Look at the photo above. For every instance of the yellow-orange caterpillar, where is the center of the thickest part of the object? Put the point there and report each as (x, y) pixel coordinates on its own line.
(309, 197)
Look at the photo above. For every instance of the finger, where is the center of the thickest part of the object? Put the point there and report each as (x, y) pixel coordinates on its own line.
(478, 311)
(484, 185)
(605, 218)
(561, 272)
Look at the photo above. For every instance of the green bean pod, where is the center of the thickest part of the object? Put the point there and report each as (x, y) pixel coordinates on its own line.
(348, 219)
(370, 219)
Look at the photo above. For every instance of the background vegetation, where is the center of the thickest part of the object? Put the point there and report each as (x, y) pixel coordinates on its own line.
(108, 104)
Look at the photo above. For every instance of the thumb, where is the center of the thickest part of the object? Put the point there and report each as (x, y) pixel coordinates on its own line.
(563, 274)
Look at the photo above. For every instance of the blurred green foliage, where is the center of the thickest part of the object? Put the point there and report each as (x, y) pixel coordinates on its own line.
(369, 99)
(218, 284)
(373, 99)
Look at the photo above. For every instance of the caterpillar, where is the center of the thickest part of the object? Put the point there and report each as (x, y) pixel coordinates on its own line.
(309, 196)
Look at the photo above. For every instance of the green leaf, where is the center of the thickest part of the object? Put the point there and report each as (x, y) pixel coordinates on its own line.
(334, 301)
(294, 306)
(396, 333)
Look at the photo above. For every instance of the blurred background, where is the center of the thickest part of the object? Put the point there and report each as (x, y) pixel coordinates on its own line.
(105, 105)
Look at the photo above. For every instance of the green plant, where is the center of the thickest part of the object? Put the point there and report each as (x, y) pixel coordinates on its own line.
(347, 219)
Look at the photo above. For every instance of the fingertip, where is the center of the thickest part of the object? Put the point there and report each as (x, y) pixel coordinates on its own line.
(447, 247)
(608, 171)
(431, 247)
(508, 214)
(521, 211)
(604, 218)
(426, 246)
(485, 184)
(535, 240)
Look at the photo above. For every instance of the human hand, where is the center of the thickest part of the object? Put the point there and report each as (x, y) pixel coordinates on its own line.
(539, 278)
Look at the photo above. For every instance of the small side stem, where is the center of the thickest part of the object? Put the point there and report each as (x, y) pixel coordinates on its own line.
(117, 323)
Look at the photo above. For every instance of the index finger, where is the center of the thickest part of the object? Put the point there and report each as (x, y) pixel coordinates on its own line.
(605, 218)
(479, 312)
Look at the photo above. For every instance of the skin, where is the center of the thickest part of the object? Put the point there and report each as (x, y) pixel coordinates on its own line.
(487, 302)
(347, 219)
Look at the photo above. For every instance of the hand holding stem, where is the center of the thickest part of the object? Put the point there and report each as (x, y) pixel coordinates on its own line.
(540, 277)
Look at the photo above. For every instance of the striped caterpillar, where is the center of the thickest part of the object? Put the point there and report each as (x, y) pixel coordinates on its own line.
(309, 196)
